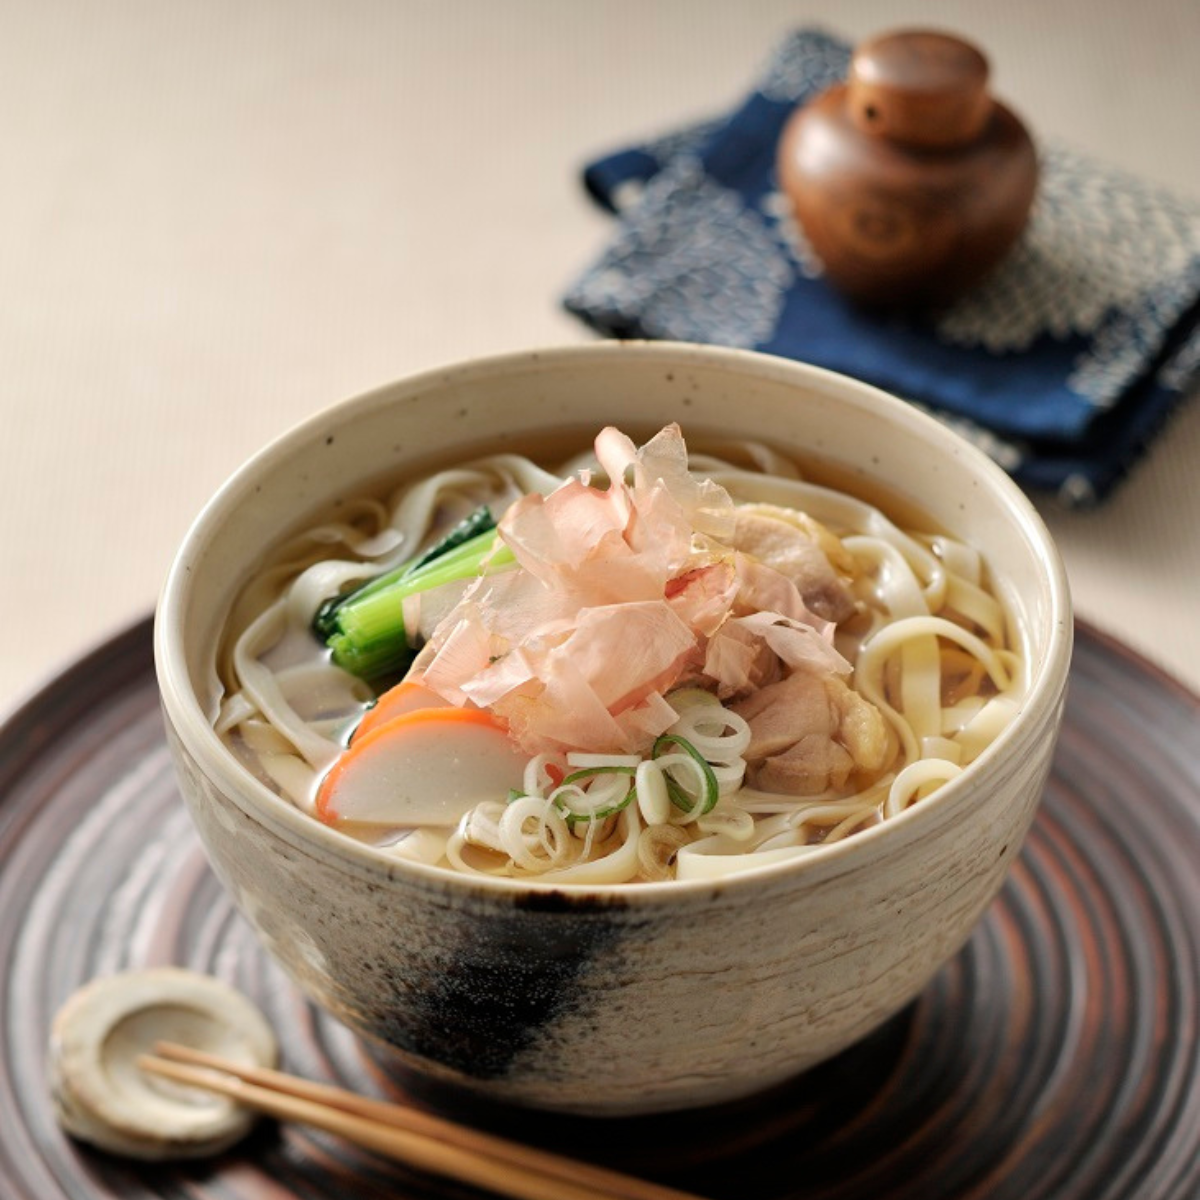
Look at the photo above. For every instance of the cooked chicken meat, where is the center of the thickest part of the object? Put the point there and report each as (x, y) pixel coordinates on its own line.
(810, 733)
(803, 550)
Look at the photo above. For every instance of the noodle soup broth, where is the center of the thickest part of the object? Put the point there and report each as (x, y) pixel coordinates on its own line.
(804, 748)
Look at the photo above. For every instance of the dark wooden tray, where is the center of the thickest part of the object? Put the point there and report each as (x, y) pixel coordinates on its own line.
(1056, 1057)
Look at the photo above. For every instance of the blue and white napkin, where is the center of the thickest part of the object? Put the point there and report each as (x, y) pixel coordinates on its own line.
(1063, 364)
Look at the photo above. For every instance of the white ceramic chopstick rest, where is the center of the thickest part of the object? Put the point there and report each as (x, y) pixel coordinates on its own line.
(103, 1098)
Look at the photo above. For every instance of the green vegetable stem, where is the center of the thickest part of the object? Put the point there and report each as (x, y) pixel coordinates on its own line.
(364, 628)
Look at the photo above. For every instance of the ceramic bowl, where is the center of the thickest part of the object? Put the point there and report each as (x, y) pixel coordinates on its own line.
(613, 1000)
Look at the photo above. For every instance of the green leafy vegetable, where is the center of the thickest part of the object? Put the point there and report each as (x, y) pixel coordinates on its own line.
(365, 628)
(478, 522)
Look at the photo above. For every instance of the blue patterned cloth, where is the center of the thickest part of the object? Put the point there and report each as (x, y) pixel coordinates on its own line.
(1062, 365)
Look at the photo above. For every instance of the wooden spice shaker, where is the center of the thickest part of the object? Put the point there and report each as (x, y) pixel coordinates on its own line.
(910, 181)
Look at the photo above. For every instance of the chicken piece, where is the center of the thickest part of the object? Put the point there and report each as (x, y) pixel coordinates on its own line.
(811, 766)
(810, 733)
(803, 550)
(781, 713)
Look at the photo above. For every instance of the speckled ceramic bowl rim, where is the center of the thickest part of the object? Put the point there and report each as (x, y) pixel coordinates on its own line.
(185, 712)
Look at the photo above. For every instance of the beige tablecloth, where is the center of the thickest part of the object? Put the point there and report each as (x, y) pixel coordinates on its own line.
(218, 217)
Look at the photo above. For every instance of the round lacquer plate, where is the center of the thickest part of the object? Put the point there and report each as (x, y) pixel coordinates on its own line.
(1056, 1057)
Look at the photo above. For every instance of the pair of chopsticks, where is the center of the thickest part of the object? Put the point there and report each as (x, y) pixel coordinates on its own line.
(419, 1139)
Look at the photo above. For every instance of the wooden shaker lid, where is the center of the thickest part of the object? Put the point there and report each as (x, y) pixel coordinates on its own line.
(919, 88)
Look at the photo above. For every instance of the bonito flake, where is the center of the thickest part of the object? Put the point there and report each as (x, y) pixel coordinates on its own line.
(621, 594)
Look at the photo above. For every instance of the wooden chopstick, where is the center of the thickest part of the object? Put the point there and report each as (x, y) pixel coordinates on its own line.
(408, 1135)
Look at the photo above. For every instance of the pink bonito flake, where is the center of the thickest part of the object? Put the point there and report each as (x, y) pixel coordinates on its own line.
(622, 593)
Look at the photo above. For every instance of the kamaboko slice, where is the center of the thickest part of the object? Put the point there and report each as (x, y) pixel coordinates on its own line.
(427, 767)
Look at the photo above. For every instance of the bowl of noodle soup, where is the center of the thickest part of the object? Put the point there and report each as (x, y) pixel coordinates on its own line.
(686, 768)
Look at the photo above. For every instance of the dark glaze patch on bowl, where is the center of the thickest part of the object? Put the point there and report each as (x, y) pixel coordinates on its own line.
(500, 985)
(551, 900)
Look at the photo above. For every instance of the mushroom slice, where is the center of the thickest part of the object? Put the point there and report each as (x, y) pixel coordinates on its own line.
(102, 1097)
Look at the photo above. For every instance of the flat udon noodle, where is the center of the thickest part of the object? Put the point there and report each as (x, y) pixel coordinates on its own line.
(287, 710)
(269, 627)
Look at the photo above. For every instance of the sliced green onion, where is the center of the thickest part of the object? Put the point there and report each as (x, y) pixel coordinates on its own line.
(592, 772)
(573, 818)
(679, 797)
